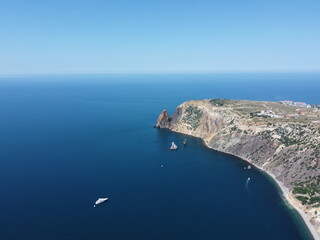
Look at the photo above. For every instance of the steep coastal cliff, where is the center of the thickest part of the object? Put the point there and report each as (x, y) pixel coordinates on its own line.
(282, 140)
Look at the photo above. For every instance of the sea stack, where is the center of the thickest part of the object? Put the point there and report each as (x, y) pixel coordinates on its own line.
(163, 120)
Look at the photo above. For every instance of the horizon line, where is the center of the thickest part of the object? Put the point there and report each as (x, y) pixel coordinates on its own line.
(165, 72)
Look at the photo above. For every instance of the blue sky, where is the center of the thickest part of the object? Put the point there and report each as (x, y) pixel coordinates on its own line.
(149, 36)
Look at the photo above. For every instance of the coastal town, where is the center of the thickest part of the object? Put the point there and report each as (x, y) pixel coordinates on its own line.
(299, 104)
(290, 110)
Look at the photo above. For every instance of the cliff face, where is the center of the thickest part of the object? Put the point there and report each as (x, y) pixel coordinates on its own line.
(163, 120)
(282, 140)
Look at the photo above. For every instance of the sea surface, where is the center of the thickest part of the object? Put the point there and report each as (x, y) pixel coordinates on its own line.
(67, 140)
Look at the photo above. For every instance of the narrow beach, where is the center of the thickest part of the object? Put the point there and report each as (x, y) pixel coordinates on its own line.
(286, 193)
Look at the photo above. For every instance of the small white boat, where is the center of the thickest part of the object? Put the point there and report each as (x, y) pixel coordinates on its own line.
(100, 200)
(249, 167)
(173, 146)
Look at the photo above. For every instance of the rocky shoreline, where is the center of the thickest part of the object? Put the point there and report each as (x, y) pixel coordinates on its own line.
(285, 147)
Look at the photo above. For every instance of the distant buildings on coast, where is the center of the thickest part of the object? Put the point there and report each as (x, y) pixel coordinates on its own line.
(299, 104)
(302, 110)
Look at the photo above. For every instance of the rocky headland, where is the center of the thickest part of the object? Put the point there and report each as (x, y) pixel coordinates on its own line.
(282, 140)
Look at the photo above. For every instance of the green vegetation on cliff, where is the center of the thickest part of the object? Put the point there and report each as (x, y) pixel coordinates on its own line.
(221, 102)
(308, 192)
(193, 116)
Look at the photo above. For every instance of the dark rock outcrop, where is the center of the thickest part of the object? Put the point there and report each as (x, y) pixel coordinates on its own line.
(163, 120)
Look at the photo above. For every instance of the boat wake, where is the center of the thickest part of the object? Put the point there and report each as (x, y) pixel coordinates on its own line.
(247, 185)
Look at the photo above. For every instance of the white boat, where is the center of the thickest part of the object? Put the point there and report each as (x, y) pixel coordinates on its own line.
(173, 146)
(249, 167)
(100, 200)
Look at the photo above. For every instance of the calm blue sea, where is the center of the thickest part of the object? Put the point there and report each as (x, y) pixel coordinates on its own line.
(67, 140)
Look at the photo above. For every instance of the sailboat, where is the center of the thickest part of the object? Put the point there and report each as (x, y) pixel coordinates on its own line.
(173, 146)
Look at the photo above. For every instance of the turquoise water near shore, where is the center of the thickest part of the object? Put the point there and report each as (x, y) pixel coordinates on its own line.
(68, 140)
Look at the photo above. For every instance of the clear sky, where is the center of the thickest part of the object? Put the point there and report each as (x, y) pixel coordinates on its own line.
(157, 36)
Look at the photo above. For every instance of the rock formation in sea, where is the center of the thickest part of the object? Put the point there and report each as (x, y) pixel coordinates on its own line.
(281, 140)
(163, 120)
